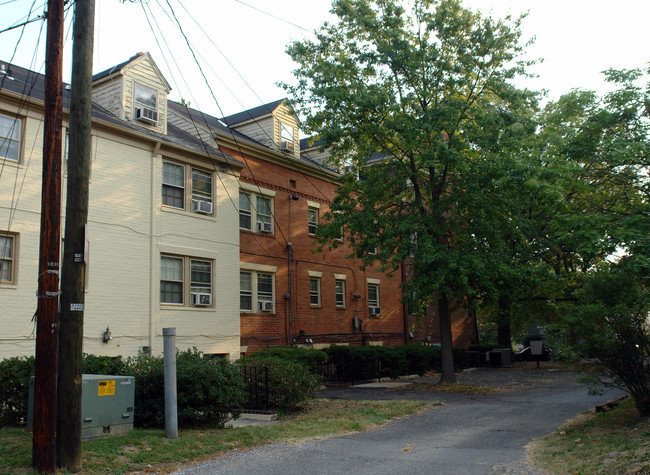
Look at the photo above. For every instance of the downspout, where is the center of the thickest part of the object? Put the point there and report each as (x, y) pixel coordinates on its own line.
(292, 197)
(152, 252)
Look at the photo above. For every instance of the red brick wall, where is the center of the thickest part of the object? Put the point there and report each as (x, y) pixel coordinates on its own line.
(295, 318)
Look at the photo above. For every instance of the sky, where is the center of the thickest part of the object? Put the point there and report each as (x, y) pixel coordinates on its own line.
(240, 44)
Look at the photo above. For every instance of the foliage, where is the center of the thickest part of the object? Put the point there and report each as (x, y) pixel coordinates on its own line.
(610, 324)
(310, 358)
(290, 384)
(208, 389)
(93, 364)
(411, 99)
(14, 389)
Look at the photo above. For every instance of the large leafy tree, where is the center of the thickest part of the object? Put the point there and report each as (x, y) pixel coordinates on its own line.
(418, 101)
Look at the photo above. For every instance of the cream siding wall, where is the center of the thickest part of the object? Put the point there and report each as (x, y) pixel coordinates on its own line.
(263, 130)
(110, 96)
(127, 231)
(284, 114)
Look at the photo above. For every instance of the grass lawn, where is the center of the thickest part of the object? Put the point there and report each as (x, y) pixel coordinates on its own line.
(617, 441)
(150, 450)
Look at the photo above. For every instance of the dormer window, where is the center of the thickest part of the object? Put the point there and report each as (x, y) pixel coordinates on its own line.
(286, 137)
(145, 102)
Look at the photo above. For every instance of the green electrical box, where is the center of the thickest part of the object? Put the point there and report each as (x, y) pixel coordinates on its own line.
(106, 405)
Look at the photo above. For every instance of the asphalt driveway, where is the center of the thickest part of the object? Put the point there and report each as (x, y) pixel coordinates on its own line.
(467, 434)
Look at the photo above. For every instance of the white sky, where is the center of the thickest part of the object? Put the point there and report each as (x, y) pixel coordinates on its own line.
(244, 56)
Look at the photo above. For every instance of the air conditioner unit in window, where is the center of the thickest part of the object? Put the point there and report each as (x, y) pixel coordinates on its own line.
(201, 299)
(146, 114)
(201, 206)
(265, 305)
(286, 146)
(264, 227)
(375, 311)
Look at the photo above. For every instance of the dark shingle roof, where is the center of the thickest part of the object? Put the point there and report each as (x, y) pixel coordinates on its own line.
(31, 84)
(252, 113)
(115, 68)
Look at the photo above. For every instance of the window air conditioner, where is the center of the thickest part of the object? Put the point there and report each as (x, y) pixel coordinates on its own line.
(146, 114)
(286, 146)
(264, 227)
(201, 206)
(265, 305)
(375, 311)
(201, 299)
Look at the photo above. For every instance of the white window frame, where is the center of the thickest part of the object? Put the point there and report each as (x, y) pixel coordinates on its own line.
(14, 129)
(188, 284)
(339, 297)
(314, 292)
(252, 195)
(374, 302)
(287, 133)
(254, 293)
(8, 256)
(137, 103)
(189, 192)
(312, 220)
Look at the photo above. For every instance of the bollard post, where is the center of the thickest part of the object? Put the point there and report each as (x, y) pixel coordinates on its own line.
(171, 411)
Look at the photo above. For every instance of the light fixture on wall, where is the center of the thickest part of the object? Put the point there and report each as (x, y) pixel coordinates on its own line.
(107, 335)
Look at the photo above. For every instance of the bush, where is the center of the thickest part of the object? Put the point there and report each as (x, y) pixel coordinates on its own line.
(208, 389)
(290, 384)
(312, 359)
(93, 364)
(14, 389)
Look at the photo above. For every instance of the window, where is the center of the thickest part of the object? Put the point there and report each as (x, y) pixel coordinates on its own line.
(340, 293)
(173, 270)
(175, 186)
(314, 291)
(256, 291)
(10, 137)
(312, 220)
(373, 296)
(7, 257)
(286, 137)
(255, 212)
(145, 97)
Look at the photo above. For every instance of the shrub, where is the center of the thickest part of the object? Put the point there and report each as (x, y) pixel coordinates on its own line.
(93, 364)
(290, 384)
(310, 358)
(14, 389)
(208, 389)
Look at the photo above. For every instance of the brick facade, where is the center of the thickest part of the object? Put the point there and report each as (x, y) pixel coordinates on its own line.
(295, 319)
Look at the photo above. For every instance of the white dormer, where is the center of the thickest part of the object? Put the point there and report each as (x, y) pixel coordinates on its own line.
(135, 91)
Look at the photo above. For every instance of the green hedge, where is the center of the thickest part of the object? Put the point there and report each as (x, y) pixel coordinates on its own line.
(310, 358)
(290, 384)
(14, 389)
(208, 388)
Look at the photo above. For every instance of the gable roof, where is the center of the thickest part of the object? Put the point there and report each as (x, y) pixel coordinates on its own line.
(119, 68)
(253, 113)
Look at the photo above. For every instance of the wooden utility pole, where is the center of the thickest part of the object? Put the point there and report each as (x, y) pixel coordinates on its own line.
(44, 439)
(75, 251)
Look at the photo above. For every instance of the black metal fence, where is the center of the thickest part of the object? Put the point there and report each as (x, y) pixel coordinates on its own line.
(347, 368)
(256, 379)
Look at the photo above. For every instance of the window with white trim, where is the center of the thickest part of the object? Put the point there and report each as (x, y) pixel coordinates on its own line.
(182, 184)
(314, 291)
(145, 103)
(312, 220)
(255, 212)
(373, 295)
(7, 257)
(10, 134)
(256, 291)
(339, 292)
(185, 281)
(286, 136)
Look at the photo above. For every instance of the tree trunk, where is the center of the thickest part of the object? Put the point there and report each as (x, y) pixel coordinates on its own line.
(503, 327)
(447, 374)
